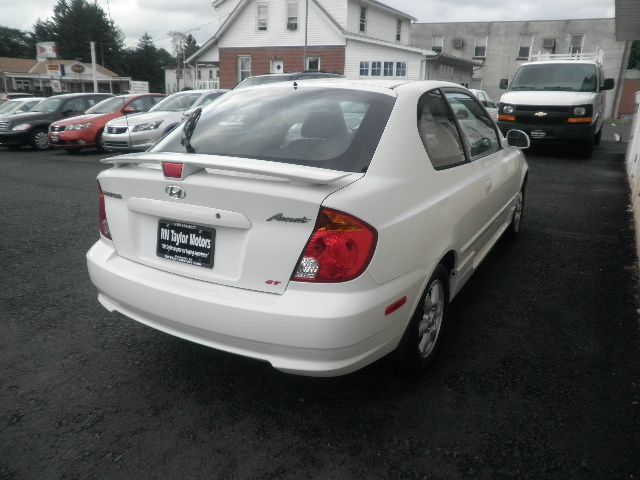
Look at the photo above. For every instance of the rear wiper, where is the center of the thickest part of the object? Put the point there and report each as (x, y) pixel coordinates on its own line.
(188, 128)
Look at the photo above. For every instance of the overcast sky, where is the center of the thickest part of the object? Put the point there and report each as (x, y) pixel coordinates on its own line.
(197, 16)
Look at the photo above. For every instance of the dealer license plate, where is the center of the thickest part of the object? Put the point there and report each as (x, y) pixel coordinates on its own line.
(55, 138)
(538, 134)
(186, 243)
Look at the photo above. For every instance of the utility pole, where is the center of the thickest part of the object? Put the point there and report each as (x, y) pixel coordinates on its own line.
(306, 37)
(93, 67)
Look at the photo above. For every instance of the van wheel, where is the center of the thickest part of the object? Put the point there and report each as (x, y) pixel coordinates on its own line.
(597, 138)
(39, 139)
(421, 340)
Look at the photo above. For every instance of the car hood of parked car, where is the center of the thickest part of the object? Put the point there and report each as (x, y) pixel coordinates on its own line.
(146, 117)
(83, 118)
(539, 97)
(29, 117)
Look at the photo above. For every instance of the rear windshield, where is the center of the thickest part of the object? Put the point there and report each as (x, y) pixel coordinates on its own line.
(176, 103)
(576, 77)
(337, 129)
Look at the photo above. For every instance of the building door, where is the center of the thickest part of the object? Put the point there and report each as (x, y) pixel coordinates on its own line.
(277, 66)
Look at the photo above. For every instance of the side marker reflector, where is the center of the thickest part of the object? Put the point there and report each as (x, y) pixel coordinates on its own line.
(395, 306)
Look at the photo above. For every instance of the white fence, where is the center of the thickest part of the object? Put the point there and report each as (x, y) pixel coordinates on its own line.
(207, 85)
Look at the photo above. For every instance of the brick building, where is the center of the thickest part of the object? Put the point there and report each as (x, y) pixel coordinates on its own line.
(357, 38)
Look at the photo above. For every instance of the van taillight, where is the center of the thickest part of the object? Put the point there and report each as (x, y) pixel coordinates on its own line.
(103, 224)
(339, 250)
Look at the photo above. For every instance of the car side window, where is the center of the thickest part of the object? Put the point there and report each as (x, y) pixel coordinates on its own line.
(141, 104)
(477, 128)
(438, 131)
(75, 105)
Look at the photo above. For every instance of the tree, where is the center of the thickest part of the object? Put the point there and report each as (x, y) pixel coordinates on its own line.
(191, 46)
(145, 62)
(16, 43)
(76, 23)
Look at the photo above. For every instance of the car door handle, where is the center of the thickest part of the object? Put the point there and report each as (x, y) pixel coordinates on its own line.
(488, 185)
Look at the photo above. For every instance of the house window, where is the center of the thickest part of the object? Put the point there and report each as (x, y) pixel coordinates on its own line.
(376, 69)
(363, 19)
(263, 15)
(313, 63)
(23, 85)
(292, 16)
(364, 69)
(525, 46)
(399, 30)
(437, 43)
(401, 69)
(481, 47)
(199, 75)
(388, 69)
(575, 46)
(244, 67)
(210, 74)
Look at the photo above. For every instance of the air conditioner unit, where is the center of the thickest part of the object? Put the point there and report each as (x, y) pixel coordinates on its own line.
(458, 42)
(549, 43)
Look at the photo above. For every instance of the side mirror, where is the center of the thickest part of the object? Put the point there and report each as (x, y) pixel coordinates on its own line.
(609, 84)
(504, 84)
(128, 110)
(518, 139)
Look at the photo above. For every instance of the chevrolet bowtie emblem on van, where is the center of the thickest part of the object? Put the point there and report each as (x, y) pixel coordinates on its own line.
(175, 192)
(540, 114)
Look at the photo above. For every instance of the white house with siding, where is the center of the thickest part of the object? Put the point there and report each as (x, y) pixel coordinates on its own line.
(357, 38)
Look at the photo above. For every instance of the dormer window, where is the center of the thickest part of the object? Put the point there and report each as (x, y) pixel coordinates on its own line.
(263, 16)
(363, 19)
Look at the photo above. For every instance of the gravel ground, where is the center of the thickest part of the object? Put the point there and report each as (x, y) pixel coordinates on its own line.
(537, 377)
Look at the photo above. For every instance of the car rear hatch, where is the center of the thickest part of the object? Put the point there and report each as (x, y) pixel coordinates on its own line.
(240, 222)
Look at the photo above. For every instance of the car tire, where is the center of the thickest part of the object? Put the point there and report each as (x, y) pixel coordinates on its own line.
(515, 224)
(421, 340)
(100, 142)
(39, 139)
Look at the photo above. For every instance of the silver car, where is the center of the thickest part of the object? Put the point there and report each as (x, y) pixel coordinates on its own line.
(141, 131)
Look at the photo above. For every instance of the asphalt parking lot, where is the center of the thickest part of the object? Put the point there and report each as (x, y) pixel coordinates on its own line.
(538, 377)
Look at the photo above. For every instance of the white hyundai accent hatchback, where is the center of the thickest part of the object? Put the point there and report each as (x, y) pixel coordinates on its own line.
(316, 225)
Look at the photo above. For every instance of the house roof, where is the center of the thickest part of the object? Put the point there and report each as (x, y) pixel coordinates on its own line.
(25, 65)
(242, 3)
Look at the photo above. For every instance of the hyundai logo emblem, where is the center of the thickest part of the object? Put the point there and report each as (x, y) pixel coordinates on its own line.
(175, 192)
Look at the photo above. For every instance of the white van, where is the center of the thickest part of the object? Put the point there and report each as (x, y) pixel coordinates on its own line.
(557, 97)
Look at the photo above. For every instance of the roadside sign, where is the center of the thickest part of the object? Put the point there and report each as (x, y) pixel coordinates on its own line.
(46, 50)
(56, 86)
(138, 87)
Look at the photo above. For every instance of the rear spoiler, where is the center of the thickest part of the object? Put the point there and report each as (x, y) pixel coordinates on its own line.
(193, 163)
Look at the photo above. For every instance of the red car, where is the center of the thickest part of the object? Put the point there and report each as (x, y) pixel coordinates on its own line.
(85, 131)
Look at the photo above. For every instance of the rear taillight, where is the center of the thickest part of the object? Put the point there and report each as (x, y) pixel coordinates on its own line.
(103, 225)
(339, 250)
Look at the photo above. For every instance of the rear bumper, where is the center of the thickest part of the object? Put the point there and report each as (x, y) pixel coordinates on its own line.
(552, 132)
(308, 330)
